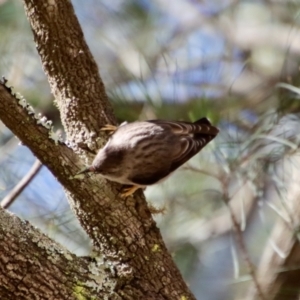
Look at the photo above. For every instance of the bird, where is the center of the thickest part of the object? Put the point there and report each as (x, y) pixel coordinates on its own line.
(144, 153)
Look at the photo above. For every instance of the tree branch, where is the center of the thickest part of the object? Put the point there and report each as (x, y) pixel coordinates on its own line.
(8, 200)
(122, 230)
(279, 270)
(54, 274)
(71, 70)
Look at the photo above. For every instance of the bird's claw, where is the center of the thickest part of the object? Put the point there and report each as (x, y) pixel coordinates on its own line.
(110, 128)
(128, 191)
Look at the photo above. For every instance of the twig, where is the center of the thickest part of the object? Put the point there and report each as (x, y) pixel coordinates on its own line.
(17, 190)
(241, 242)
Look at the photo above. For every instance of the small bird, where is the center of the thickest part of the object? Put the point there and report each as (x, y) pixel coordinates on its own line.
(143, 153)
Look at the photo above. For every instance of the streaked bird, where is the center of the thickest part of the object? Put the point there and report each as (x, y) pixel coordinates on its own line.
(140, 154)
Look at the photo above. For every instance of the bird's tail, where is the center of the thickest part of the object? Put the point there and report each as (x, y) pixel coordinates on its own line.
(206, 127)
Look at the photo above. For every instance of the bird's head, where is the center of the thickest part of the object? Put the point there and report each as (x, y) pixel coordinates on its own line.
(107, 162)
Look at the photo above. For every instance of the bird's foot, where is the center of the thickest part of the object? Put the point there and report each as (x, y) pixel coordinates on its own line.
(110, 128)
(128, 191)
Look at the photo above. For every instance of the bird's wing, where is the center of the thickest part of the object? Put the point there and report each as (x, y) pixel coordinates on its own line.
(194, 136)
(191, 138)
(189, 146)
(202, 126)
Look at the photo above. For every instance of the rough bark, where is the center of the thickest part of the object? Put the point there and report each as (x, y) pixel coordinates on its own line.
(72, 73)
(32, 266)
(123, 231)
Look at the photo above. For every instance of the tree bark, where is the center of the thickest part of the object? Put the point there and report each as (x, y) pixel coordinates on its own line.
(34, 267)
(123, 231)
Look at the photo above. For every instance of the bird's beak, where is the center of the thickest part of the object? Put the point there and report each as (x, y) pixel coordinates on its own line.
(85, 170)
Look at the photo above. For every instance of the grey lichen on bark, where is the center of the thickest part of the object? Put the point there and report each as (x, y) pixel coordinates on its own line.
(33, 265)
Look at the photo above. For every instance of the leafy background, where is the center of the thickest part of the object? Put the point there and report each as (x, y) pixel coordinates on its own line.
(236, 62)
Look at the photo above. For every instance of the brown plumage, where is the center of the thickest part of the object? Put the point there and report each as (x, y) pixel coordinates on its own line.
(144, 153)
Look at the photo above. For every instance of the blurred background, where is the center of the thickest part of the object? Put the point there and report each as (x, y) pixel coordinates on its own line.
(236, 62)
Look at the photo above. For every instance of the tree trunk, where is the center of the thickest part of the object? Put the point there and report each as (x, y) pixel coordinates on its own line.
(135, 263)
